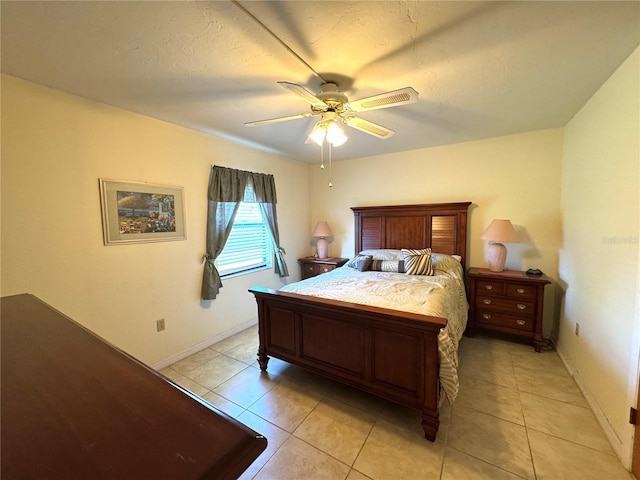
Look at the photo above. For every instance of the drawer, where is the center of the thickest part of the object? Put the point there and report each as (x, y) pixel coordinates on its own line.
(521, 291)
(308, 270)
(313, 269)
(504, 320)
(489, 287)
(514, 306)
(325, 268)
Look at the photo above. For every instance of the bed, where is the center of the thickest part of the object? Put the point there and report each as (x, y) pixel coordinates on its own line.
(370, 344)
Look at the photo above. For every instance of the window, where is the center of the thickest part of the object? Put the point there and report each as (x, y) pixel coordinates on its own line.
(249, 245)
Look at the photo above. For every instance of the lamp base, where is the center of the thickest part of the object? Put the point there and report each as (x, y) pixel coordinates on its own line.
(323, 248)
(496, 256)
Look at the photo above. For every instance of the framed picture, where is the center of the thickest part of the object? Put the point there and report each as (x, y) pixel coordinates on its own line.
(138, 212)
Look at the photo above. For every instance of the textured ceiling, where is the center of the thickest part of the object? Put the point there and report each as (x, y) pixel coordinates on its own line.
(482, 69)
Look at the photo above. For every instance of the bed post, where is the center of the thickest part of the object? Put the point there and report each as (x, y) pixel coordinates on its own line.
(430, 424)
(430, 414)
(263, 359)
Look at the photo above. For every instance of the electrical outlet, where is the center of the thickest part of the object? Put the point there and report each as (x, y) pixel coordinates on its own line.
(577, 329)
(160, 325)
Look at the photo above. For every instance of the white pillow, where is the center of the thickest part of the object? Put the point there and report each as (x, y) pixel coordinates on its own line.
(446, 263)
(383, 253)
(457, 257)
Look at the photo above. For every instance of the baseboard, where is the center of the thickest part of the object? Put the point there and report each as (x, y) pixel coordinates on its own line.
(623, 453)
(202, 345)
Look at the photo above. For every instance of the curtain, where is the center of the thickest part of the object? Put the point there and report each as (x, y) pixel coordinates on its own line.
(264, 188)
(279, 265)
(227, 188)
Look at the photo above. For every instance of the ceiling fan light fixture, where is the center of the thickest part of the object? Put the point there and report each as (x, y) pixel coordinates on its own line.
(332, 105)
(328, 130)
(318, 133)
(335, 135)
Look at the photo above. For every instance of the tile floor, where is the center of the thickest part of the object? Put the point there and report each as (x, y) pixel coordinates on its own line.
(519, 415)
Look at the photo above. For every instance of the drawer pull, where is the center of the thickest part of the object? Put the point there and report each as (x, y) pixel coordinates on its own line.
(486, 316)
(325, 269)
(521, 306)
(489, 287)
(486, 301)
(520, 290)
(310, 268)
(520, 322)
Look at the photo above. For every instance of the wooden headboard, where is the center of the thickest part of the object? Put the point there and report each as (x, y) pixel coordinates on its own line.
(439, 226)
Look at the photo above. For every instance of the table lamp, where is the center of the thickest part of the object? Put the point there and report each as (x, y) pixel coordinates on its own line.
(322, 231)
(498, 231)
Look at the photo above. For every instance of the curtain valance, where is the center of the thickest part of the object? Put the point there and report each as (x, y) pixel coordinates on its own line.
(230, 185)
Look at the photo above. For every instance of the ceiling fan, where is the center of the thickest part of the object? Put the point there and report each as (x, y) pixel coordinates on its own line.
(332, 106)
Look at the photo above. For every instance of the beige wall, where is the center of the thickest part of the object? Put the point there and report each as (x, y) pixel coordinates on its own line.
(599, 258)
(54, 148)
(515, 177)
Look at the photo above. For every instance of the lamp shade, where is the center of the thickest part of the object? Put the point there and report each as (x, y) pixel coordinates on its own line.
(500, 231)
(322, 230)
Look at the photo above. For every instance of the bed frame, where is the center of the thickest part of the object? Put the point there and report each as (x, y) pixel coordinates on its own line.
(388, 353)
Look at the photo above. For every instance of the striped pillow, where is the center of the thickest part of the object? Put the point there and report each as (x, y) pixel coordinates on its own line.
(417, 262)
(393, 266)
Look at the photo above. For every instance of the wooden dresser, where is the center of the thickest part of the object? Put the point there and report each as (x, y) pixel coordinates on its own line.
(510, 301)
(312, 266)
(76, 408)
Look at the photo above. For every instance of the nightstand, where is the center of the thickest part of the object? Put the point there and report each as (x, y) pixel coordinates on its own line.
(510, 302)
(312, 266)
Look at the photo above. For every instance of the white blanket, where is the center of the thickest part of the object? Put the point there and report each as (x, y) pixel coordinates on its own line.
(442, 295)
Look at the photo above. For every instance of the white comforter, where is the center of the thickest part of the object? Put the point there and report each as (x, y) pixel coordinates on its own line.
(441, 295)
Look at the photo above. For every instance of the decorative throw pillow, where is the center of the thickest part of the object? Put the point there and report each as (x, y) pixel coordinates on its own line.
(417, 262)
(360, 262)
(393, 266)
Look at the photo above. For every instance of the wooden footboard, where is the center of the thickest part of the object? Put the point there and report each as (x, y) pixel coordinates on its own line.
(385, 352)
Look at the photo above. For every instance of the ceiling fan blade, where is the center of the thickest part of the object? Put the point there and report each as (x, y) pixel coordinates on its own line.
(368, 127)
(279, 119)
(305, 94)
(385, 100)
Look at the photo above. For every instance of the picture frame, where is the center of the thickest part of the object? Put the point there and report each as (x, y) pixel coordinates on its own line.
(139, 212)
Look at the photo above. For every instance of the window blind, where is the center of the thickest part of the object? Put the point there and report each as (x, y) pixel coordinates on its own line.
(249, 245)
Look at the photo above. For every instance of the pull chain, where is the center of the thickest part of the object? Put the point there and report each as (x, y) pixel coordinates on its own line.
(330, 184)
(322, 160)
